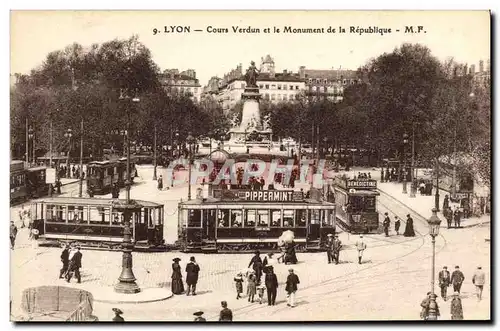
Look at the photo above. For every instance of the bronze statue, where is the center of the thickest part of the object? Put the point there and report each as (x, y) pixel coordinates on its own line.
(251, 75)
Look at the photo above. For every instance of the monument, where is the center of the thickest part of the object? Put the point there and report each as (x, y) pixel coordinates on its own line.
(251, 126)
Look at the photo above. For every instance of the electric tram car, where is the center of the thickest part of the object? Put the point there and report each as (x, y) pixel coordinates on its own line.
(356, 201)
(103, 175)
(243, 220)
(97, 222)
(27, 183)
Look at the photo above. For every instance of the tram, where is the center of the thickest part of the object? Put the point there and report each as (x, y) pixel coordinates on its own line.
(27, 183)
(98, 222)
(103, 175)
(356, 201)
(242, 220)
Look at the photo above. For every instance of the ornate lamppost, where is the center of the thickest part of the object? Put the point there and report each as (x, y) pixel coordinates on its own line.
(127, 281)
(434, 223)
(68, 135)
(190, 141)
(413, 188)
(31, 137)
(404, 172)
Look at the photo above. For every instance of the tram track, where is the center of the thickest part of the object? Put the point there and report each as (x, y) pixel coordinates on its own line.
(390, 205)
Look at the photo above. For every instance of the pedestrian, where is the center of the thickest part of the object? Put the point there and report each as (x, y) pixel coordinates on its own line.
(444, 281)
(256, 263)
(238, 281)
(329, 247)
(192, 271)
(386, 224)
(75, 263)
(337, 246)
(478, 280)
(360, 246)
(456, 310)
(118, 317)
(449, 216)
(269, 261)
(457, 278)
(272, 287)
(199, 317)
(177, 285)
(446, 202)
(260, 293)
(64, 260)
(226, 315)
(425, 306)
(456, 216)
(409, 231)
(251, 286)
(291, 287)
(34, 238)
(160, 183)
(13, 234)
(397, 224)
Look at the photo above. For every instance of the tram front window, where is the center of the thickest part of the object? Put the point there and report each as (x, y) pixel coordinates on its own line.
(250, 218)
(370, 204)
(223, 218)
(356, 204)
(314, 216)
(327, 218)
(288, 220)
(236, 219)
(194, 218)
(263, 217)
(276, 218)
(300, 218)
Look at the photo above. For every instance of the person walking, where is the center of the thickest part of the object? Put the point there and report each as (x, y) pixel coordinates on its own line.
(199, 317)
(424, 313)
(177, 285)
(238, 282)
(386, 224)
(337, 246)
(444, 281)
(409, 231)
(226, 315)
(329, 248)
(251, 286)
(118, 317)
(449, 216)
(291, 287)
(478, 280)
(456, 309)
(13, 234)
(271, 282)
(75, 263)
(446, 202)
(456, 216)
(360, 246)
(256, 264)
(397, 224)
(160, 183)
(192, 271)
(65, 261)
(457, 278)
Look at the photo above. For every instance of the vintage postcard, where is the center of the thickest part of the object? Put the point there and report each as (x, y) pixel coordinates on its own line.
(242, 166)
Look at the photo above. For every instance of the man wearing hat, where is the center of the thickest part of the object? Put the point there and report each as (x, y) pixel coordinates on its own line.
(199, 317)
(291, 287)
(64, 260)
(360, 246)
(256, 263)
(329, 247)
(457, 278)
(386, 224)
(444, 281)
(75, 263)
(271, 285)
(337, 245)
(478, 280)
(226, 315)
(118, 317)
(192, 270)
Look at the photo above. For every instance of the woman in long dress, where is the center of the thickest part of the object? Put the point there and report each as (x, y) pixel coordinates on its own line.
(457, 312)
(409, 231)
(177, 285)
(252, 286)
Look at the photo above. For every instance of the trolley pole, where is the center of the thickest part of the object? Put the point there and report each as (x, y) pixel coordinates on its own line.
(80, 189)
(412, 177)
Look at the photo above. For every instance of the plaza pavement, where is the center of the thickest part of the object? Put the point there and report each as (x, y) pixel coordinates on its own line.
(389, 286)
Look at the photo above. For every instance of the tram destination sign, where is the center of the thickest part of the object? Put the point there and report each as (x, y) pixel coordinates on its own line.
(360, 184)
(261, 196)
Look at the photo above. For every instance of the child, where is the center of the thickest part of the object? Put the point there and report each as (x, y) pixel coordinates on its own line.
(239, 285)
(251, 287)
(260, 292)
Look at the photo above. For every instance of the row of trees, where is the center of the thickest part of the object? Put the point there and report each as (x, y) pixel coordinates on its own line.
(78, 83)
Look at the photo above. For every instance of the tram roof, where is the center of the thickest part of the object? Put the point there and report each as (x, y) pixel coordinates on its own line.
(364, 193)
(94, 201)
(211, 201)
(37, 168)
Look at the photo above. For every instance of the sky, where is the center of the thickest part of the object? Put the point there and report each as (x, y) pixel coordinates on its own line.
(463, 35)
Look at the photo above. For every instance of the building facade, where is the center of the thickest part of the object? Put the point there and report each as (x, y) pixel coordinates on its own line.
(327, 84)
(184, 82)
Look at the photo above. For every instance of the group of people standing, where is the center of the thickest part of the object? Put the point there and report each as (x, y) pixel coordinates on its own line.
(409, 230)
(71, 259)
(192, 273)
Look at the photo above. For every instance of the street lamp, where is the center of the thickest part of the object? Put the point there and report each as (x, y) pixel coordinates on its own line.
(68, 135)
(190, 141)
(31, 137)
(413, 188)
(154, 156)
(434, 223)
(405, 142)
(126, 281)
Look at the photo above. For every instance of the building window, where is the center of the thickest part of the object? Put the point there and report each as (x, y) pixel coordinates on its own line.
(195, 90)
(266, 96)
(297, 96)
(291, 87)
(285, 86)
(279, 86)
(242, 85)
(267, 86)
(279, 97)
(314, 88)
(318, 81)
(273, 87)
(296, 87)
(325, 81)
(345, 82)
(261, 86)
(285, 97)
(273, 96)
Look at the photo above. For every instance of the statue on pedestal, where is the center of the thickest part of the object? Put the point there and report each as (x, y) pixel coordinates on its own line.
(266, 122)
(251, 75)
